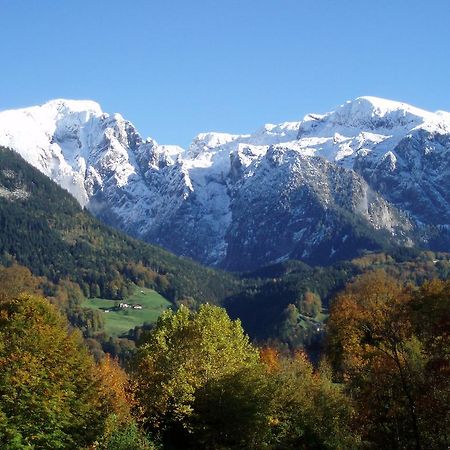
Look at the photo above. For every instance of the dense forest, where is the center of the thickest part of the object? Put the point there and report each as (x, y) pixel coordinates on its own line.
(197, 382)
(288, 302)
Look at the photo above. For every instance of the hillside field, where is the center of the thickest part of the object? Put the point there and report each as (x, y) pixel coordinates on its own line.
(119, 322)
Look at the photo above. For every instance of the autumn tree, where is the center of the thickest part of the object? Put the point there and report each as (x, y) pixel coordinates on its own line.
(377, 348)
(49, 396)
(430, 318)
(191, 363)
(309, 304)
(307, 410)
(16, 279)
(121, 430)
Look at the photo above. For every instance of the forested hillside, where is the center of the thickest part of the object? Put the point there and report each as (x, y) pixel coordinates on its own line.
(288, 303)
(44, 229)
(196, 381)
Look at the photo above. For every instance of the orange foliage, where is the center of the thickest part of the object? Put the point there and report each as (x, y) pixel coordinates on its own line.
(368, 321)
(115, 388)
(270, 358)
(17, 279)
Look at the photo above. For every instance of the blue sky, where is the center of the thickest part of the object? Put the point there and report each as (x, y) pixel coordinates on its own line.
(176, 68)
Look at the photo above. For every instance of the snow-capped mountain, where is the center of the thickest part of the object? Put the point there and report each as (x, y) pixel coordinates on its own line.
(370, 172)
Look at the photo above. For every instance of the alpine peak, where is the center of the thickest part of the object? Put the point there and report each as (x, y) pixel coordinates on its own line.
(289, 190)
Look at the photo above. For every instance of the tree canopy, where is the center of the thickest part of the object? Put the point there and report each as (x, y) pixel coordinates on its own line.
(390, 345)
(202, 385)
(48, 384)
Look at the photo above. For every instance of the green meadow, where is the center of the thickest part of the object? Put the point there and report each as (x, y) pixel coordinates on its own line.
(119, 322)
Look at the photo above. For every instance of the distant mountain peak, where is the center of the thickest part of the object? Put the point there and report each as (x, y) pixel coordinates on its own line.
(62, 104)
(378, 113)
(238, 200)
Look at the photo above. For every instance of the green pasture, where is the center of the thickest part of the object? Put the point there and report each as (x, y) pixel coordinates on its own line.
(119, 322)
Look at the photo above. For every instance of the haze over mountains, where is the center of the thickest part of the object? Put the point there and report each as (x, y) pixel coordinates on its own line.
(370, 174)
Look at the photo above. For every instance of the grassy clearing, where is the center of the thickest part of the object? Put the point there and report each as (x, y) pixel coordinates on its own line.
(119, 322)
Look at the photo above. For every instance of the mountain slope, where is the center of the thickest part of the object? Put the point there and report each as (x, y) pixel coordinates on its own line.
(371, 174)
(45, 229)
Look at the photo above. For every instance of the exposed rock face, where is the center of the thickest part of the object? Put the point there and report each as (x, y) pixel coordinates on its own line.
(321, 189)
(308, 210)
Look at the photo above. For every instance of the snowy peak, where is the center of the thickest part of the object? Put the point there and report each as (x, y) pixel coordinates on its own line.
(68, 140)
(369, 114)
(271, 134)
(72, 106)
(268, 134)
(205, 142)
(374, 109)
(46, 119)
(365, 127)
(47, 115)
(376, 112)
(279, 192)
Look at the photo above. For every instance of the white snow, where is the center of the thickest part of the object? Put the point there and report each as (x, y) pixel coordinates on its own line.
(89, 152)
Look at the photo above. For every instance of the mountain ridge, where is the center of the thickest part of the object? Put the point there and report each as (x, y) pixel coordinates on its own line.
(199, 201)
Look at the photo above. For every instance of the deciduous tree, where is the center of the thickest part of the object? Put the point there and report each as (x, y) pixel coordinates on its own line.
(187, 359)
(49, 396)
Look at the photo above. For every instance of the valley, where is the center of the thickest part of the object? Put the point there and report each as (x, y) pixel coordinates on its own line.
(224, 225)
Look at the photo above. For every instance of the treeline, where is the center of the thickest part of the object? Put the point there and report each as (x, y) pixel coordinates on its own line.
(197, 382)
(287, 309)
